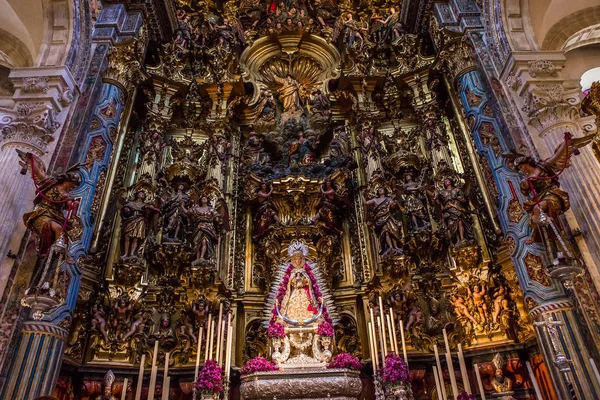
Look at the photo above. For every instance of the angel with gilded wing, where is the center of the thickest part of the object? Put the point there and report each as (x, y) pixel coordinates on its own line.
(53, 198)
(547, 201)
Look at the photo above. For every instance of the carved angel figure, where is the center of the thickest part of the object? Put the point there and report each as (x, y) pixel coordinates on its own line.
(98, 321)
(53, 200)
(547, 201)
(478, 295)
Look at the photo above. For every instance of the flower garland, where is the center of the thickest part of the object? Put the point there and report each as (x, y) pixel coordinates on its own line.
(276, 330)
(283, 288)
(325, 329)
(395, 369)
(258, 364)
(210, 378)
(345, 360)
(465, 396)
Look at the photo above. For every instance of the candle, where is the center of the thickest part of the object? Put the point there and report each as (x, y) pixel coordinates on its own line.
(463, 370)
(381, 339)
(219, 334)
(452, 376)
(382, 323)
(206, 355)
(374, 334)
(538, 393)
(389, 326)
(153, 372)
(437, 382)
(166, 388)
(124, 390)
(595, 369)
(222, 348)
(138, 389)
(394, 330)
(371, 348)
(450, 365)
(152, 385)
(480, 384)
(165, 377)
(403, 342)
(211, 334)
(439, 367)
(229, 344)
(198, 354)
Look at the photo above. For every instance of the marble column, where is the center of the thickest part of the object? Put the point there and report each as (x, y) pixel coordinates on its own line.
(545, 297)
(35, 367)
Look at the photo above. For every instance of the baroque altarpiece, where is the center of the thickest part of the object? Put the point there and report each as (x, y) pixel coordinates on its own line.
(357, 133)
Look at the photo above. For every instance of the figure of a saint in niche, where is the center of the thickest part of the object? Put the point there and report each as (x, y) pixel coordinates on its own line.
(299, 303)
(290, 93)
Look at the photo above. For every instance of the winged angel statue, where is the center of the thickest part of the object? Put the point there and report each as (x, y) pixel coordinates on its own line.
(546, 200)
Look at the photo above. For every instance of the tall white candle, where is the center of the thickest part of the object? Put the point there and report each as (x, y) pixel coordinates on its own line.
(480, 384)
(394, 330)
(595, 369)
(382, 339)
(463, 370)
(206, 355)
(452, 376)
(198, 354)
(538, 393)
(152, 385)
(165, 377)
(389, 327)
(374, 335)
(450, 365)
(228, 354)
(371, 348)
(211, 336)
(166, 388)
(403, 342)
(439, 367)
(223, 344)
(382, 323)
(219, 334)
(438, 386)
(138, 389)
(124, 390)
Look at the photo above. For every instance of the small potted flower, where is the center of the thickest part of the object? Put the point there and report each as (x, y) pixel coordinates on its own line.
(345, 360)
(396, 377)
(258, 364)
(210, 380)
(276, 332)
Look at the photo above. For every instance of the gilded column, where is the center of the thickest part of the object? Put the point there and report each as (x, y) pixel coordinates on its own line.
(558, 330)
(34, 369)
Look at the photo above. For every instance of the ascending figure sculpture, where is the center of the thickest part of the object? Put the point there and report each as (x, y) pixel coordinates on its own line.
(301, 311)
(290, 93)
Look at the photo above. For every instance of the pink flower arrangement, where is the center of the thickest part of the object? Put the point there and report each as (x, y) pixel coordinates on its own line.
(345, 360)
(395, 369)
(465, 396)
(210, 378)
(258, 364)
(276, 330)
(325, 329)
(283, 288)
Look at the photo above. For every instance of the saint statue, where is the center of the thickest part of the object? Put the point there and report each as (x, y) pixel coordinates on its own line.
(502, 384)
(301, 151)
(289, 93)
(455, 213)
(207, 224)
(385, 225)
(135, 215)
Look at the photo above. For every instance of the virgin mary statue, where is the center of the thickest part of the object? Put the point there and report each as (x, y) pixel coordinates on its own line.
(299, 305)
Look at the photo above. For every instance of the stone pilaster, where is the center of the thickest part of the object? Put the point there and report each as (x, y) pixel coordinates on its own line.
(42, 99)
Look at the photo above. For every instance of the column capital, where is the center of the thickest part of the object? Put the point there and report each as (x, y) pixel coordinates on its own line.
(40, 95)
(124, 67)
